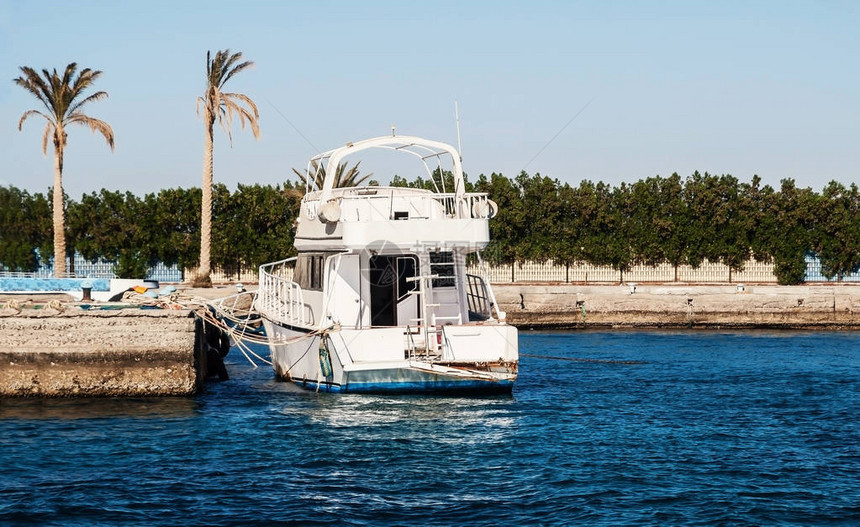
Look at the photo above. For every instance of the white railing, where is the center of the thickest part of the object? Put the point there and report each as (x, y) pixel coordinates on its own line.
(279, 298)
(470, 204)
(384, 203)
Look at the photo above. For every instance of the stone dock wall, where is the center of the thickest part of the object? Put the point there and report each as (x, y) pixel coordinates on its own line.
(137, 352)
(124, 352)
(681, 306)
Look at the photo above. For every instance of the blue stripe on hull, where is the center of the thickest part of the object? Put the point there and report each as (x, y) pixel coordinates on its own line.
(413, 387)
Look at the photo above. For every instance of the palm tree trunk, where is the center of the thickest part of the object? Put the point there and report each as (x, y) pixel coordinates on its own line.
(59, 216)
(206, 209)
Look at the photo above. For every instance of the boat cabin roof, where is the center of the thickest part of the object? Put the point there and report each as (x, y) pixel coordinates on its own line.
(427, 151)
(392, 218)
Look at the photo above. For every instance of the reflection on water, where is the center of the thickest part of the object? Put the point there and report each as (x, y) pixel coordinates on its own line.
(95, 408)
(445, 420)
(363, 410)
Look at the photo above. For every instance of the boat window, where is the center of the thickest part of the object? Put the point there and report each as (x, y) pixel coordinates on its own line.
(310, 271)
(316, 272)
(442, 265)
(300, 271)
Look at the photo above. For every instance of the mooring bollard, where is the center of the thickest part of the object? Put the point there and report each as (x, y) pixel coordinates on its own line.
(87, 288)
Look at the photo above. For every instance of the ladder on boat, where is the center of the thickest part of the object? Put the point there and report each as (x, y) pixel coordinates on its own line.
(431, 342)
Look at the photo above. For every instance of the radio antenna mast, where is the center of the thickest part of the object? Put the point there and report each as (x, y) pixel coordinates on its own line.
(457, 118)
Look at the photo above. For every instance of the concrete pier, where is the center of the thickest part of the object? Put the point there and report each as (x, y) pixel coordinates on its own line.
(681, 306)
(123, 352)
(70, 351)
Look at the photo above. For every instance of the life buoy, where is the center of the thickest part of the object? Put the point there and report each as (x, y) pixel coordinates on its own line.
(330, 212)
(484, 209)
(494, 209)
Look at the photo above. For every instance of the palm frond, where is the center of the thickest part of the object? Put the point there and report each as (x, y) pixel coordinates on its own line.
(63, 97)
(27, 114)
(244, 114)
(302, 177)
(350, 178)
(226, 106)
(96, 125)
(241, 67)
(94, 97)
(69, 73)
(342, 176)
(33, 83)
(49, 128)
(244, 98)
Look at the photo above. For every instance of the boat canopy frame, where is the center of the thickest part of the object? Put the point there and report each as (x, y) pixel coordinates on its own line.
(423, 149)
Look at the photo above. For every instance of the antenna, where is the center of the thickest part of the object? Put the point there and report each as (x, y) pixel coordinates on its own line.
(457, 118)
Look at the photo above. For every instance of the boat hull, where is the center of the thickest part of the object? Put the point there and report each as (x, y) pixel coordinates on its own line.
(343, 361)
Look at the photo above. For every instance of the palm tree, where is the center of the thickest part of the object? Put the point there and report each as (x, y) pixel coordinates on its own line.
(342, 176)
(61, 96)
(220, 105)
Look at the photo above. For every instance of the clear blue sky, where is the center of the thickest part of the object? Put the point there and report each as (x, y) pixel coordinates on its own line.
(767, 88)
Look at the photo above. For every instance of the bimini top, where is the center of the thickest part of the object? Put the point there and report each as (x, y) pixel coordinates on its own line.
(424, 149)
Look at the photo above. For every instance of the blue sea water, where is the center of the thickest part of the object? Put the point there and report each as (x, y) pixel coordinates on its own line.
(653, 428)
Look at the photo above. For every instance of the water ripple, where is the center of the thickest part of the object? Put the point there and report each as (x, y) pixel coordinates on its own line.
(656, 428)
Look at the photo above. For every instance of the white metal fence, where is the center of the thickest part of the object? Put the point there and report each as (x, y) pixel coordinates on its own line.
(754, 272)
(245, 274)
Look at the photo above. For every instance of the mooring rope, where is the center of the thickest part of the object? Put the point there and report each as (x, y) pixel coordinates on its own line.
(218, 316)
(239, 339)
(579, 359)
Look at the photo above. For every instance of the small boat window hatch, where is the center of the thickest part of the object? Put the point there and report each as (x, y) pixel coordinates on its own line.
(309, 271)
(401, 215)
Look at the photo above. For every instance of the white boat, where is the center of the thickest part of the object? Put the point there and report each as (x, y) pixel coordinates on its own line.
(379, 299)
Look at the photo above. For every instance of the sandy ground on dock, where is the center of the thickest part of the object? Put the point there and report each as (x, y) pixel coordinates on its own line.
(207, 293)
(34, 298)
(213, 293)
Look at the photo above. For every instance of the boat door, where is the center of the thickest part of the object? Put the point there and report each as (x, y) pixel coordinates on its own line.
(390, 301)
